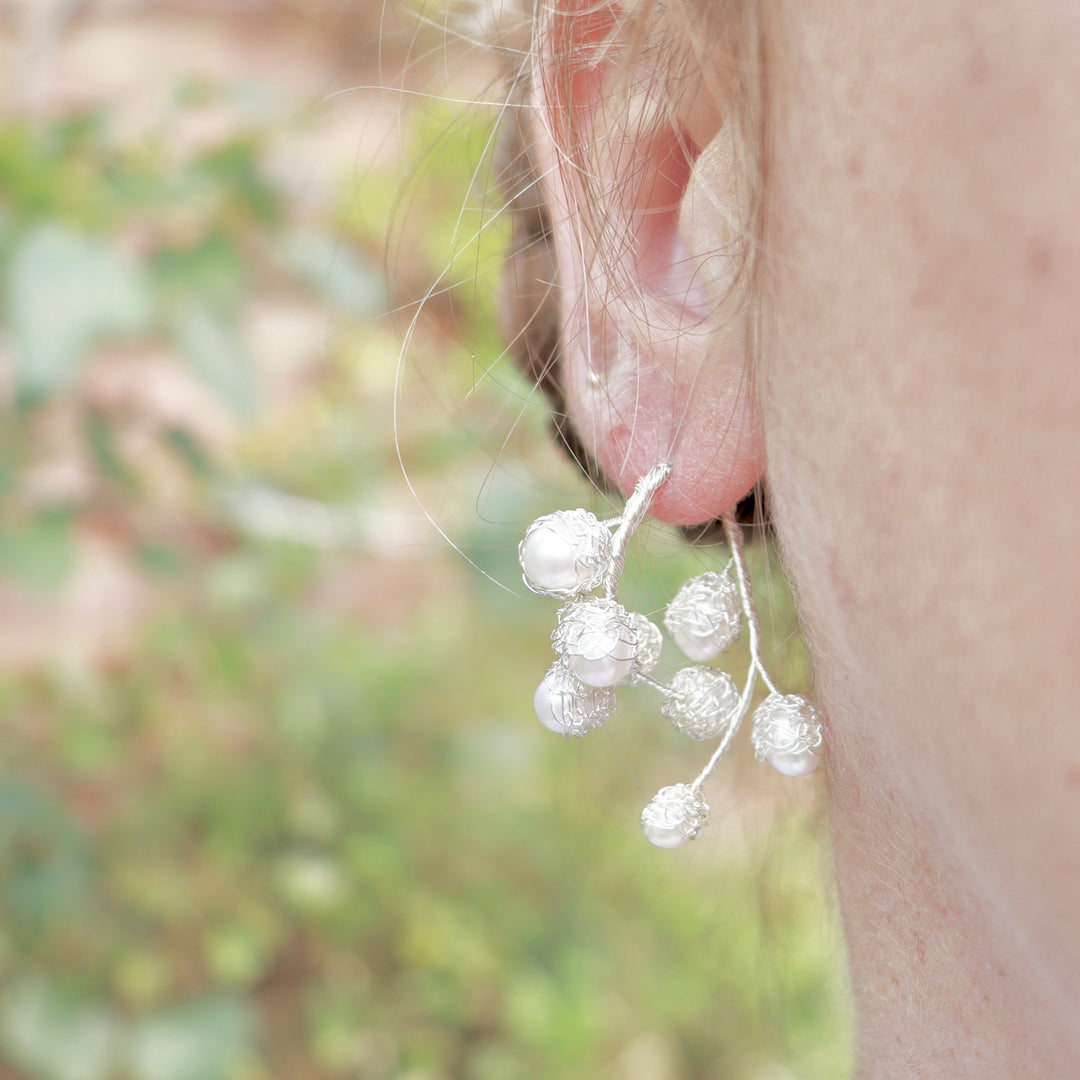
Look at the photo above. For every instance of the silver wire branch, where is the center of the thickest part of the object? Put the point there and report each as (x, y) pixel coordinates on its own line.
(636, 508)
(734, 535)
(725, 742)
(648, 680)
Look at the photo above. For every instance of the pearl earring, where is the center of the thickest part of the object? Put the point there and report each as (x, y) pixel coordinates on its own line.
(599, 645)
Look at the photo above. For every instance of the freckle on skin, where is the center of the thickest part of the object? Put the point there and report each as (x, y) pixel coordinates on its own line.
(978, 68)
(1040, 260)
(1072, 777)
(844, 591)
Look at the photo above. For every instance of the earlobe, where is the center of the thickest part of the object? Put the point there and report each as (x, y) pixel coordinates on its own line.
(648, 238)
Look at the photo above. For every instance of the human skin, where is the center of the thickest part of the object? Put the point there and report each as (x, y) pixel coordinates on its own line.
(915, 407)
(920, 397)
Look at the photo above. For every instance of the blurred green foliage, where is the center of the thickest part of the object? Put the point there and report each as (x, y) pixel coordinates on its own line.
(304, 825)
(105, 243)
(365, 841)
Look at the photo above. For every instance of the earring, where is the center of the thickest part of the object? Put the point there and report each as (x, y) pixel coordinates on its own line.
(574, 556)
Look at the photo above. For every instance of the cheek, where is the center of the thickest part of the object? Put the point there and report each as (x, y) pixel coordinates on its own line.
(919, 414)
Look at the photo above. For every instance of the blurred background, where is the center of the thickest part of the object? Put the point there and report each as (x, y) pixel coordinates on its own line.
(273, 802)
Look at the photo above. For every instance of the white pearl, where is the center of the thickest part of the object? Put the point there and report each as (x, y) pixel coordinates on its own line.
(665, 836)
(650, 643)
(601, 670)
(563, 704)
(704, 617)
(675, 816)
(549, 561)
(544, 707)
(701, 702)
(793, 764)
(564, 553)
(596, 640)
(787, 733)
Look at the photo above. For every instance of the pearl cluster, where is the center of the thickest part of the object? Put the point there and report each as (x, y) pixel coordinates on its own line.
(701, 702)
(565, 553)
(787, 734)
(675, 816)
(597, 640)
(704, 618)
(565, 705)
(599, 644)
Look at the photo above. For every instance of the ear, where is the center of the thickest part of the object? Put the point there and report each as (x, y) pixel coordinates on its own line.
(648, 225)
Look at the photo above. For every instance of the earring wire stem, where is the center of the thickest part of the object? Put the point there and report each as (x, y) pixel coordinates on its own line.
(733, 532)
(636, 508)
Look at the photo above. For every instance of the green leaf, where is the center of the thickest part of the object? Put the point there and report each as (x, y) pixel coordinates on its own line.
(66, 293)
(212, 346)
(43, 864)
(211, 269)
(337, 272)
(99, 438)
(237, 170)
(237, 954)
(181, 443)
(55, 1038)
(41, 554)
(203, 1040)
(160, 559)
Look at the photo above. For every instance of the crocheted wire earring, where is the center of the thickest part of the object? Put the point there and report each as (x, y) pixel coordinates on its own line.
(572, 555)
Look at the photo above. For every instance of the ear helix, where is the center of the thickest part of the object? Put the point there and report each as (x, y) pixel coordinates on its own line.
(599, 645)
